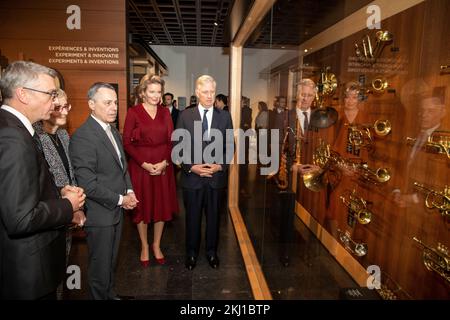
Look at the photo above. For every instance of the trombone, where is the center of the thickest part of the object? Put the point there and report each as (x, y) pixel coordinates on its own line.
(357, 208)
(359, 249)
(436, 259)
(436, 200)
(359, 133)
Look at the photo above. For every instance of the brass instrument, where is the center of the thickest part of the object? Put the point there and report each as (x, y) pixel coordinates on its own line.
(370, 54)
(382, 39)
(380, 85)
(298, 140)
(357, 208)
(359, 249)
(438, 142)
(324, 117)
(357, 133)
(326, 158)
(436, 259)
(436, 200)
(281, 179)
(380, 175)
(391, 290)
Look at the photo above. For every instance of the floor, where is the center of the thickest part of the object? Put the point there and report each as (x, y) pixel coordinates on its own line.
(172, 281)
(296, 265)
(300, 268)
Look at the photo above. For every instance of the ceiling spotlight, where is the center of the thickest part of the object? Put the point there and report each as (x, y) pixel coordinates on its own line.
(306, 50)
(216, 24)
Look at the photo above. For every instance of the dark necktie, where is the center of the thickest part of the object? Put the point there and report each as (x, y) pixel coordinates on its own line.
(305, 122)
(204, 122)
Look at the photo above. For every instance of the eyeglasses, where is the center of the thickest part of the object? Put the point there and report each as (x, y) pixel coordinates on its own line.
(53, 93)
(59, 108)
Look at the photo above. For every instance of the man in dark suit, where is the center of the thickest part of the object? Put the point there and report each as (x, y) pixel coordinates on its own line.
(33, 212)
(221, 102)
(203, 179)
(101, 169)
(168, 103)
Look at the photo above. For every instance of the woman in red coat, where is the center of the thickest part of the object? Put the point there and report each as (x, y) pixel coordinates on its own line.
(146, 138)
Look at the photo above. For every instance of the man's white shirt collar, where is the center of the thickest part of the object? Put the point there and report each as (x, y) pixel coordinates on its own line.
(21, 117)
(100, 122)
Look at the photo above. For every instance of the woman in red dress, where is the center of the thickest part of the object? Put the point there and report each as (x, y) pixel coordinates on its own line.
(146, 138)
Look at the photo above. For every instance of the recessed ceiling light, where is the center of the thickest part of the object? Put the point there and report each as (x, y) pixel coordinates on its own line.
(306, 50)
(216, 24)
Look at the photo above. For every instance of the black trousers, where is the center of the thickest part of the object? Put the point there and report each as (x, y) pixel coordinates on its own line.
(197, 201)
(103, 244)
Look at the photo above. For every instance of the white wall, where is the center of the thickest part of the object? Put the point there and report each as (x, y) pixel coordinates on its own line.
(185, 64)
(257, 64)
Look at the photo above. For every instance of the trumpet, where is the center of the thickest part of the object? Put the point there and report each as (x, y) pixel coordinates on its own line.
(436, 259)
(380, 175)
(436, 200)
(357, 208)
(359, 133)
(437, 142)
(359, 249)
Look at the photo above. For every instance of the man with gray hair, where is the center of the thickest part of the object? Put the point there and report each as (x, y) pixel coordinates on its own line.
(100, 168)
(33, 212)
(203, 180)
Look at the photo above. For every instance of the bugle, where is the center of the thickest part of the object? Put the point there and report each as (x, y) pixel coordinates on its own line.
(436, 259)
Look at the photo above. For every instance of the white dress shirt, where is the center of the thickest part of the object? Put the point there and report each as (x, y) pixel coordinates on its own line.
(301, 117)
(209, 115)
(104, 125)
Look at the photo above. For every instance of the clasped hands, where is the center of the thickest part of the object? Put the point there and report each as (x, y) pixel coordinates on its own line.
(77, 197)
(129, 201)
(157, 168)
(206, 170)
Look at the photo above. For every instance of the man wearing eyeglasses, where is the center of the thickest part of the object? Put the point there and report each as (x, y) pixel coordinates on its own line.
(33, 212)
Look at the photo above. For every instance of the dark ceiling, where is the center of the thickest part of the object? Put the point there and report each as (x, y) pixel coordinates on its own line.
(179, 22)
(205, 22)
(292, 22)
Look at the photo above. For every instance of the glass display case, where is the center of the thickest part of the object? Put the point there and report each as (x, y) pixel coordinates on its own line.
(357, 110)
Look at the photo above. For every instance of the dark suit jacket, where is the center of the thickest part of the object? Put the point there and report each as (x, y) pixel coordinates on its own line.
(174, 116)
(98, 170)
(222, 121)
(32, 237)
(246, 118)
